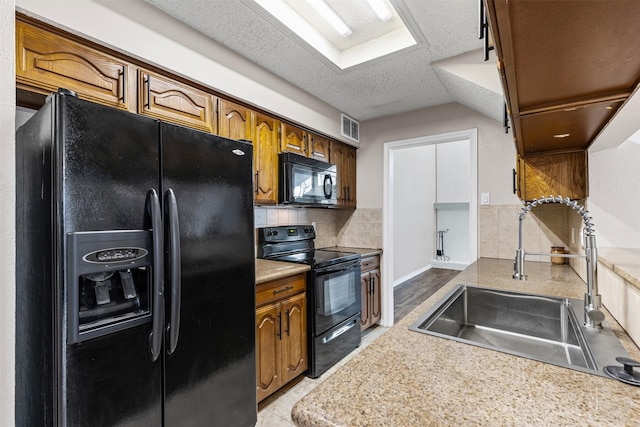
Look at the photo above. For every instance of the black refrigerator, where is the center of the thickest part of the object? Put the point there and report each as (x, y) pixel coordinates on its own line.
(135, 272)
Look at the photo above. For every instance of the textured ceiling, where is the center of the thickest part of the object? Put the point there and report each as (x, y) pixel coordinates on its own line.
(399, 82)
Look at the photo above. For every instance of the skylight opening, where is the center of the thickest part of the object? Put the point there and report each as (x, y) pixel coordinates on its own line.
(331, 17)
(365, 38)
(381, 10)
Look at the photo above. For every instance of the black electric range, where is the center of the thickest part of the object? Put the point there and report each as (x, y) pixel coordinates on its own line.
(333, 291)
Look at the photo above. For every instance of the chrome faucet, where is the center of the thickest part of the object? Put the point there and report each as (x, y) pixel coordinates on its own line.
(593, 315)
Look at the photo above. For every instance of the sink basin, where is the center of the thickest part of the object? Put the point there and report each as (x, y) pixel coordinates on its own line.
(537, 327)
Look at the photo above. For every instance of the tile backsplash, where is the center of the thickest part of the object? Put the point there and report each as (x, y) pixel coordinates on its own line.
(543, 227)
(334, 227)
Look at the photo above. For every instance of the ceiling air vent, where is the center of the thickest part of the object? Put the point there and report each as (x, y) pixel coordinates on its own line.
(350, 128)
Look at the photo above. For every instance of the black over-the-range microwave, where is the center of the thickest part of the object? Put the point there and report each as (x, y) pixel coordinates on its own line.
(306, 182)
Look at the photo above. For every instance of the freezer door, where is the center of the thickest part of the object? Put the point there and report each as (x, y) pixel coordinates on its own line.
(105, 163)
(210, 366)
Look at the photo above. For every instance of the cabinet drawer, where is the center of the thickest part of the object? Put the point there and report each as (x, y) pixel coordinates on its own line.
(369, 263)
(280, 288)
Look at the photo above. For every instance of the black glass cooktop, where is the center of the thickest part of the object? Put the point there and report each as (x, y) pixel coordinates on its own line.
(318, 257)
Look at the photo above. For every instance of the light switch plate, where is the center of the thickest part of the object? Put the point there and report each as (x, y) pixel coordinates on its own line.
(485, 198)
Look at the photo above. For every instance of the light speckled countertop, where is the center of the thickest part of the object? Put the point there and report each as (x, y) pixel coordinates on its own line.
(406, 378)
(267, 270)
(624, 261)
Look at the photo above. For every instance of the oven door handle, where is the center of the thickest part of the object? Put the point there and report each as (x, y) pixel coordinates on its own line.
(339, 332)
(341, 268)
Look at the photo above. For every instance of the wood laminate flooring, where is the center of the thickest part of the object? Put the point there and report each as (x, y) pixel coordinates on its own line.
(410, 294)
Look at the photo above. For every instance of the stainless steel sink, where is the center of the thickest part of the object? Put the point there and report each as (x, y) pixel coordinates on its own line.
(538, 327)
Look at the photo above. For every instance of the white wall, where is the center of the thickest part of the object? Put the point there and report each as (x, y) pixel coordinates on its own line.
(496, 150)
(7, 212)
(414, 192)
(453, 166)
(142, 31)
(614, 195)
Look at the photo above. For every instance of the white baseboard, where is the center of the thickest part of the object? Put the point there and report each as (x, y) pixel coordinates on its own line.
(450, 265)
(411, 275)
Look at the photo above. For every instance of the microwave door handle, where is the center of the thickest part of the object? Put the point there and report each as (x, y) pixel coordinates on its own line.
(328, 194)
(157, 309)
(174, 274)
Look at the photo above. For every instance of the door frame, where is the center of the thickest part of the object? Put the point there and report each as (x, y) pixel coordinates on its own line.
(388, 213)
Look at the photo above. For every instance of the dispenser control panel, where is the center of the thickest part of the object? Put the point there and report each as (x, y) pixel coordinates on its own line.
(109, 282)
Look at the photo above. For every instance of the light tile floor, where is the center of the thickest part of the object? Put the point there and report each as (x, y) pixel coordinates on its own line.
(275, 411)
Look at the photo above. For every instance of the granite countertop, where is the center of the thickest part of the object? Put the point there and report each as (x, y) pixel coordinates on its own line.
(267, 270)
(364, 252)
(406, 378)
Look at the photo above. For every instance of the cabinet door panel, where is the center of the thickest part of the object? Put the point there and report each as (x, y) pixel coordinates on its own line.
(265, 147)
(46, 62)
(319, 148)
(166, 99)
(294, 337)
(563, 174)
(350, 176)
(365, 319)
(344, 157)
(293, 140)
(268, 328)
(376, 312)
(234, 120)
(336, 156)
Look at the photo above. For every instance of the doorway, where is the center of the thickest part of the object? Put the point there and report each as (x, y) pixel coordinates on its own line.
(405, 186)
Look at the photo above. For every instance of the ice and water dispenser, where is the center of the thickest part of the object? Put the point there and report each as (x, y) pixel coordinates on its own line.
(108, 282)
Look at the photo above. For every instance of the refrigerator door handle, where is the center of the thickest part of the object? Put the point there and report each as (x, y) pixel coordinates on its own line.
(157, 310)
(174, 272)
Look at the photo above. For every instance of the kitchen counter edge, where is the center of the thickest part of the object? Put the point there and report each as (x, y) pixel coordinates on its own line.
(267, 270)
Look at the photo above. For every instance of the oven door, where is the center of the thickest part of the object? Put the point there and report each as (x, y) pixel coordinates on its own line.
(337, 294)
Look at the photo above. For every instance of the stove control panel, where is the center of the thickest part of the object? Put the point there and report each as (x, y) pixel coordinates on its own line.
(285, 233)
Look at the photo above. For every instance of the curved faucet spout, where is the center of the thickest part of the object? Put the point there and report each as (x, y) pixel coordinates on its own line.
(593, 316)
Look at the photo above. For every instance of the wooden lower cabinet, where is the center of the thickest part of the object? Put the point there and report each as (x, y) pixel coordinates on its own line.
(370, 291)
(281, 334)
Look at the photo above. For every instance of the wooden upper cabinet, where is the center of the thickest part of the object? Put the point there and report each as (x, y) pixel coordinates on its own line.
(344, 157)
(560, 174)
(169, 100)
(566, 68)
(293, 140)
(350, 176)
(318, 147)
(265, 154)
(234, 120)
(46, 62)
